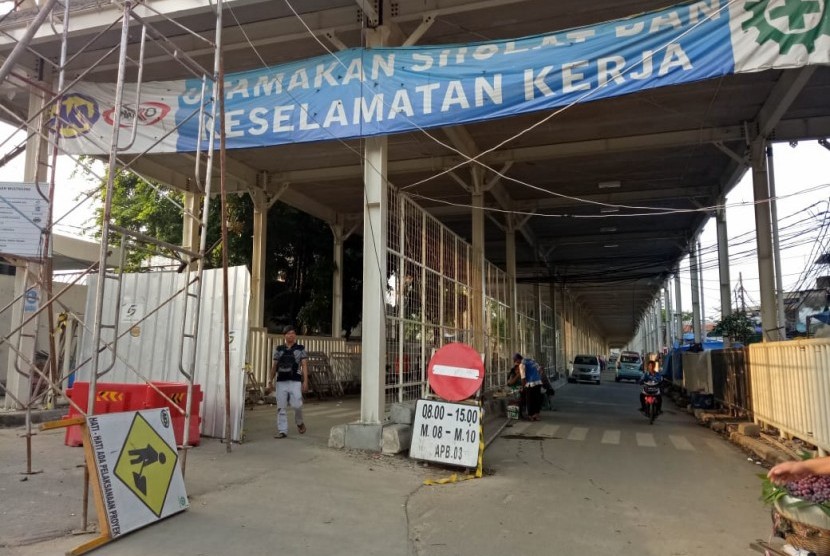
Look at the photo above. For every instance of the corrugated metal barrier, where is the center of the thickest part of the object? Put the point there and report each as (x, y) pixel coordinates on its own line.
(790, 384)
(730, 379)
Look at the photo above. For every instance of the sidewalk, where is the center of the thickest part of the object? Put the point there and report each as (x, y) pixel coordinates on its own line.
(232, 495)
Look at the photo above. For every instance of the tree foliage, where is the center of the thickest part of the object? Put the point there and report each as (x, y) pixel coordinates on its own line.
(737, 326)
(299, 250)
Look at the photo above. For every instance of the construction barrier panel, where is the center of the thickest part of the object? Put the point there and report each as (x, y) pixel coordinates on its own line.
(112, 397)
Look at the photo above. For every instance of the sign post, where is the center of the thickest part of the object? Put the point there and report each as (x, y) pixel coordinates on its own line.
(133, 463)
(455, 372)
(444, 432)
(448, 433)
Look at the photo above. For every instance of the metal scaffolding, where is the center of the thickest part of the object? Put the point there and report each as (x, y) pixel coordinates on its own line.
(44, 126)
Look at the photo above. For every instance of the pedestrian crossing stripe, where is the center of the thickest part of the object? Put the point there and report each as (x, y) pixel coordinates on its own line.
(109, 396)
(539, 431)
(578, 433)
(146, 464)
(611, 437)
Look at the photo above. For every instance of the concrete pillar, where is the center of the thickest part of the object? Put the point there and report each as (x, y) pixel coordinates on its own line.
(776, 249)
(190, 221)
(375, 215)
(537, 291)
(556, 323)
(763, 237)
(678, 309)
(659, 314)
(34, 170)
(703, 333)
(477, 262)
(337, 281)
(695, 275)
(723, 260)
(669, 338)
(510, 263)
(256, 310)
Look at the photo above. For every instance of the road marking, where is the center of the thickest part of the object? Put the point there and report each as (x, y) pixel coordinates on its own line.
(339, 414)
(519, 428)
(578, 433)
(611, 437)
(720, 446)
(318, 412)
(548, 430)
(646, 440)
(681, 443)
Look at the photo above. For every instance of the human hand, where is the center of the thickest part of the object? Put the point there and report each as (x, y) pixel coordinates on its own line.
(787, 472)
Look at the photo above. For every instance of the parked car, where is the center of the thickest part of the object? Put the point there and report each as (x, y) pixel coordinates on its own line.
(587, 368)
(629, 367)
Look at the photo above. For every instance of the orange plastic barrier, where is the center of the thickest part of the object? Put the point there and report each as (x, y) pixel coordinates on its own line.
(112, 397)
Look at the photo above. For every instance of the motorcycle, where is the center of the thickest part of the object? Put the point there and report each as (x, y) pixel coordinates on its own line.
(652, 394)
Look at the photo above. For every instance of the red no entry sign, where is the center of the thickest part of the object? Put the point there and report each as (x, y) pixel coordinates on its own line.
(455, 372)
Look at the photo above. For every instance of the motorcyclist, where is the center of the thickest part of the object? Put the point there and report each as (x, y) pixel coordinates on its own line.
(652, 377)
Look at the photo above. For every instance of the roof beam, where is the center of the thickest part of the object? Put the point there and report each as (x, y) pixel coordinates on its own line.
(94, 17)
(786, 90)
(621, 198)
(369, 11)
(529, 154)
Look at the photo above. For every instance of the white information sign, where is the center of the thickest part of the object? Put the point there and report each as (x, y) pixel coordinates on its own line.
(446, 433)
(22, 215)
(138, 468)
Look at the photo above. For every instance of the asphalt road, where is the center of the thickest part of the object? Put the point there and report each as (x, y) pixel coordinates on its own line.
(593, 477)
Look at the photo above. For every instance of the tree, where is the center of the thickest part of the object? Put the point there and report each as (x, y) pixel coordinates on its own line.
(737, 326)
(298, 266)
(153, 210)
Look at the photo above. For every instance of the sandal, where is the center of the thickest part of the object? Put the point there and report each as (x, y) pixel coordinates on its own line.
(301, 428)
(280, 435)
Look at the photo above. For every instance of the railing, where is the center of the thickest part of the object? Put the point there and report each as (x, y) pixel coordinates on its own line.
(344, 356)
(790, 384)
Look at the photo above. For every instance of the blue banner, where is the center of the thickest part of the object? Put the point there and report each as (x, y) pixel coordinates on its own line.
(366, 92)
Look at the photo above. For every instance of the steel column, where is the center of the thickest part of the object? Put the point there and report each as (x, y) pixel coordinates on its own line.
(763, 238)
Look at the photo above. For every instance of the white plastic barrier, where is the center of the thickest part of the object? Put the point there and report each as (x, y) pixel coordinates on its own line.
(791, 388)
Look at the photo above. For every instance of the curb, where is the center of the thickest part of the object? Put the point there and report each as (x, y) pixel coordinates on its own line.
(761, 450)
(11, 419)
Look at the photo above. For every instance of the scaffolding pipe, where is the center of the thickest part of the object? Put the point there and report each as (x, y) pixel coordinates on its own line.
(107, 210)
(23, 42)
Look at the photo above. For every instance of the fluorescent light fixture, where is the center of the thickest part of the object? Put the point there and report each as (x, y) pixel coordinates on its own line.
(609, 184)
(609, 210)
(611, 245)
(608, 229)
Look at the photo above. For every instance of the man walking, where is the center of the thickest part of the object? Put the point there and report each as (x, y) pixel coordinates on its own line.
(290, 375)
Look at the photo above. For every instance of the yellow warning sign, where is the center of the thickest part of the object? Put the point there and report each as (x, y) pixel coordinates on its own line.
(146, 464)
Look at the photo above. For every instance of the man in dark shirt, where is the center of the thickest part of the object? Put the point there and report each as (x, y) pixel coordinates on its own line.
(290, 375)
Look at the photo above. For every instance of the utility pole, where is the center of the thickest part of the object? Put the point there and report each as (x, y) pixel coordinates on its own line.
(743, 299)
(702, 303)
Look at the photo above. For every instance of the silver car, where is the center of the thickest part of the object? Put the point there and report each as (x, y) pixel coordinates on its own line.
(585, 368)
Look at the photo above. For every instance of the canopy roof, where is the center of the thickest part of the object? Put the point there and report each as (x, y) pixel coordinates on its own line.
(681, 147)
